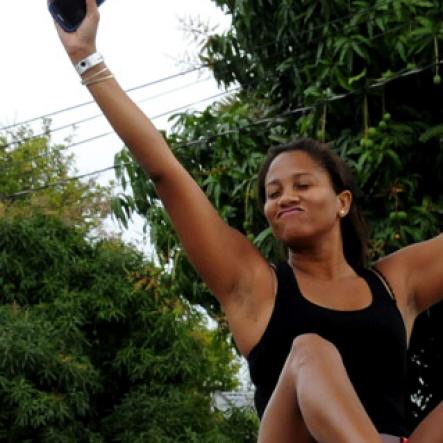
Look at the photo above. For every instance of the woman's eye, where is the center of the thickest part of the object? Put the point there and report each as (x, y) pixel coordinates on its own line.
(273, 194)
(302, 185)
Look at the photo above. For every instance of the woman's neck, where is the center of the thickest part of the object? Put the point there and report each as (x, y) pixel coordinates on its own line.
(325, 261)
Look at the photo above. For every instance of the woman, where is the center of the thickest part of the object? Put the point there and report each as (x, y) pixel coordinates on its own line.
(305, 389)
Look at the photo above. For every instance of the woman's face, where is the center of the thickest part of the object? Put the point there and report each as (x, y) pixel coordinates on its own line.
(301, 204)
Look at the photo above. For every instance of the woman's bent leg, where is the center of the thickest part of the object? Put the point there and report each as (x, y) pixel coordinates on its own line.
(314, 400)
(430, 430)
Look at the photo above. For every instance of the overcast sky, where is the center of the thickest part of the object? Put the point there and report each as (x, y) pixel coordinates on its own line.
(141, 41)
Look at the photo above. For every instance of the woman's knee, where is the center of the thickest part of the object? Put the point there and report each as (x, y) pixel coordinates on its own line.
(430, 429)
(308, 347)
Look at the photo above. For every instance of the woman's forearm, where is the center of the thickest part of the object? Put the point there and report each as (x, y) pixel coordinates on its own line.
(132, 125)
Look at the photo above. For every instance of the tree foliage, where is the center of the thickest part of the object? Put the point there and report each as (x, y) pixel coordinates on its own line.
(30, 165)
(364, 76)
(99, 345)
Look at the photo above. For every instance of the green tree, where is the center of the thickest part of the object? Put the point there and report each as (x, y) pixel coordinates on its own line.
(97, 344)
(362, 75)
(29, 161)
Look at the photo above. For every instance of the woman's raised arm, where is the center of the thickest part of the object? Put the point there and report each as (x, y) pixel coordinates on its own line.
(419, 268)
(230, 265)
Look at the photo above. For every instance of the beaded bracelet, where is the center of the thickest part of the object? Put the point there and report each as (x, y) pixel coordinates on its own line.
(97, 80)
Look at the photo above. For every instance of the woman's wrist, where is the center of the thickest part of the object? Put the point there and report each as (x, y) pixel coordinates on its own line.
(89, 62)
(79, 54)
(96, 74)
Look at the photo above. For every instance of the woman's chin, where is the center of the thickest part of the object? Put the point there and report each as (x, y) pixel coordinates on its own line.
(297, 239)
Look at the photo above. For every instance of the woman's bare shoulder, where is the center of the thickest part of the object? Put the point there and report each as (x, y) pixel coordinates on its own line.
(416, 271)
(250, 308)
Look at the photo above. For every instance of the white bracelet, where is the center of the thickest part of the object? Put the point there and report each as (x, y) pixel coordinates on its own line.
(89, 62)
(95, 75)
(98, 80)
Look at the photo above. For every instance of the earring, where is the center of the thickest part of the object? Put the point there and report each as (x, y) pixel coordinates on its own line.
(342, 213)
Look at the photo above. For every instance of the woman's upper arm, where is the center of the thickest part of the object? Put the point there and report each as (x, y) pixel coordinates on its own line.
(224, 258)
(420, 269)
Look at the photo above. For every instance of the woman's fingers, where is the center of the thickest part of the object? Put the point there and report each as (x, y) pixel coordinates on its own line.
(89, 25)
(81, 43)
(92, 13)
(91, 7)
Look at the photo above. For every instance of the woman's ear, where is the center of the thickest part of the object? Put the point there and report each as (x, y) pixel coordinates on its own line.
(344, 200)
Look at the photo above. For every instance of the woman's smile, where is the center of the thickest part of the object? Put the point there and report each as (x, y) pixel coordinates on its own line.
(294, 211)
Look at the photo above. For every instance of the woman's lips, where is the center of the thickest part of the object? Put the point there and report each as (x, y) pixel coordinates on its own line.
(290, 211)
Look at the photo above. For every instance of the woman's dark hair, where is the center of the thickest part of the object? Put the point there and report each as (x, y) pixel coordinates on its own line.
(353, 226)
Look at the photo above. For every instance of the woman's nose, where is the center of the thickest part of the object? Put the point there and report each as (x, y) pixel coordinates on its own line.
(289, 197)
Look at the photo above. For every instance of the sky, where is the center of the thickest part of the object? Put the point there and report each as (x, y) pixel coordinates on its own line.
(142, 41)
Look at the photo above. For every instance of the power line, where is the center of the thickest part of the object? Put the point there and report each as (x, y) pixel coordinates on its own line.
(197, 68)
(377, 84)
(70, 108)
(6, 145)
(105, 134)
(85, 120)
(60, 182)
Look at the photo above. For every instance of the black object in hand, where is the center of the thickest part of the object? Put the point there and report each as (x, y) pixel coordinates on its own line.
(69, 13)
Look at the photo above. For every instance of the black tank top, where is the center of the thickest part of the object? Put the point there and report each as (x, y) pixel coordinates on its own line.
(371, 341)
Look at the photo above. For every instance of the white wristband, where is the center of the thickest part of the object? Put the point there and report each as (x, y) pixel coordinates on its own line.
(89, 62)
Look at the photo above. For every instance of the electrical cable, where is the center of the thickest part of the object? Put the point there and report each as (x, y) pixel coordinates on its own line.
(197, 68)
(25, 139)
(85, 120)
(377, 84)
(99, 136)
(60, 182)
(70, 108)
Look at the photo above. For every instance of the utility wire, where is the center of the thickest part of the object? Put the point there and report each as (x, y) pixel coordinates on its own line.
(85, 120)
(50, 131)
(376, 84)
(105, 134)
(70, 108)
(60, 182)
(197, 68)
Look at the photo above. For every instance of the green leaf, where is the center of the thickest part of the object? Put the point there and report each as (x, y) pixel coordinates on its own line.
(357, 77)
(434, 132)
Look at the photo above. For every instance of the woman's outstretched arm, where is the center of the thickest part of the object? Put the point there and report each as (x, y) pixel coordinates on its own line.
(230, 265)
(418, 271)
(415, 274)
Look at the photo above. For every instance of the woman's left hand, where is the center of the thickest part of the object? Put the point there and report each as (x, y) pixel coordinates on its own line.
(82, 42)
